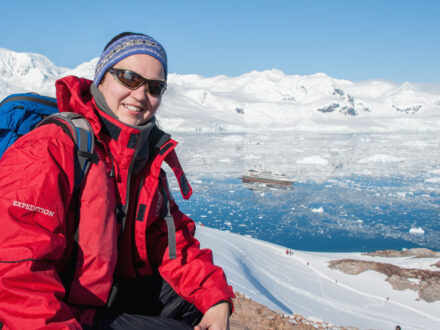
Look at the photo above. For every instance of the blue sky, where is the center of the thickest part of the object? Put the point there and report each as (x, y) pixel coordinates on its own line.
(353, 39)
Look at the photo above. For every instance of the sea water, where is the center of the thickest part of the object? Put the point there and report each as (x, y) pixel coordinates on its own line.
(319, 217)
(352, 192)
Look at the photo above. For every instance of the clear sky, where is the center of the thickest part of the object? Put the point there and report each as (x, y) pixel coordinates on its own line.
(395, 40)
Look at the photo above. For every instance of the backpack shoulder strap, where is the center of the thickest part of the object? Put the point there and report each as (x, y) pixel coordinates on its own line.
(80, 131)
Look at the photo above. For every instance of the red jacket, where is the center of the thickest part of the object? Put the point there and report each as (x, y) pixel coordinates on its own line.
(37, 210)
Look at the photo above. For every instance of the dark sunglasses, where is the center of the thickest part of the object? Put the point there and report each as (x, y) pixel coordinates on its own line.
(133, 80)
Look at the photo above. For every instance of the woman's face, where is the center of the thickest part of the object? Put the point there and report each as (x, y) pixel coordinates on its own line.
(133, 106)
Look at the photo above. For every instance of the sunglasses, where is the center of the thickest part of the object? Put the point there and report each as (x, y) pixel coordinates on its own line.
(133, 80)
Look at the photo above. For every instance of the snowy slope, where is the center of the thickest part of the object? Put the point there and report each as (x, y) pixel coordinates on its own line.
(258, 100)
(302, 283)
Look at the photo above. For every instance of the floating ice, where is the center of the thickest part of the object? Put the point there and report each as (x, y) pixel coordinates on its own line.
(417, 231)
(313, 160)
(433, 180)
(379, 158)
(318, 210)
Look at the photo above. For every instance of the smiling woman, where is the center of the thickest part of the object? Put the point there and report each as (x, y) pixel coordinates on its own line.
(118, 253)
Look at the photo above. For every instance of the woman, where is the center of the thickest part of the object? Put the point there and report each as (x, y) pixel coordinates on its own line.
(132, 261)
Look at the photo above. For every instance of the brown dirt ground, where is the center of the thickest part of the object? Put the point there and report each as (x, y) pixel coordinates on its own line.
(250, 315)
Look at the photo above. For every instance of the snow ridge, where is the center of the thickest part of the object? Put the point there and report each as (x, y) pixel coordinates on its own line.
(258, 100)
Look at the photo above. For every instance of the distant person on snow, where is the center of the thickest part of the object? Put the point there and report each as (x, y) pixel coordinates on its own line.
(132, 260)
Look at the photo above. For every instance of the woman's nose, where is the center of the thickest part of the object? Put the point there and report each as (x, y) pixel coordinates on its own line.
(141, 92)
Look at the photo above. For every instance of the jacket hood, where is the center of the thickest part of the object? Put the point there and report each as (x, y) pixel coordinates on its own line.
(73, 95)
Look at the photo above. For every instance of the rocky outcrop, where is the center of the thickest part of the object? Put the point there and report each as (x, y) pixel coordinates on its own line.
(425, 282)
(250, 315)
(345, 110)
(410, 110)
(418, 253)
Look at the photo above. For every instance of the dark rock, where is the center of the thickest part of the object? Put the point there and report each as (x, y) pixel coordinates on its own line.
(329, 108)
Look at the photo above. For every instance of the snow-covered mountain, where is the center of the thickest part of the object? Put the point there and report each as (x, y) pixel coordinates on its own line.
(257, 100)
(27, 72)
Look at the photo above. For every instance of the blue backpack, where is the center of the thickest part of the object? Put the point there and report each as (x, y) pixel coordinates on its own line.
(20, 113)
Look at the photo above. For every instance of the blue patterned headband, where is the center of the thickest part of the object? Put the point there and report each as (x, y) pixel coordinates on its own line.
(129, 45)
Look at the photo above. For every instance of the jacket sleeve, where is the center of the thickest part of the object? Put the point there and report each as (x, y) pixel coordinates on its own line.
(36, 184)
(192, 274)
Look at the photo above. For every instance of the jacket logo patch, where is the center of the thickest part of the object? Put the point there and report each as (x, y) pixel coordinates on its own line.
(33, 208)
